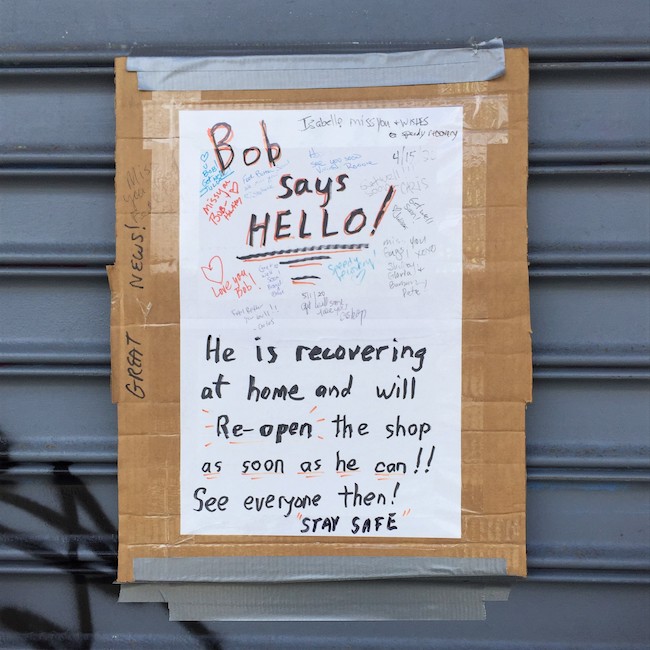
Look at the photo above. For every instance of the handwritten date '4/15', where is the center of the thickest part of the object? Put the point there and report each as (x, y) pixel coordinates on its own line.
(405, 156)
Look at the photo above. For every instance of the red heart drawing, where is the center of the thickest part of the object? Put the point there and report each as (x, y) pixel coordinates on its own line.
(214, 270)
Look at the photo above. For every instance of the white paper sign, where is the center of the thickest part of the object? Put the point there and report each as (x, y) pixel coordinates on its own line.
(321, 304)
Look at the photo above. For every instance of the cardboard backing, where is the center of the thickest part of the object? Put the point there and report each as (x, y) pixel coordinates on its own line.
(496, 354)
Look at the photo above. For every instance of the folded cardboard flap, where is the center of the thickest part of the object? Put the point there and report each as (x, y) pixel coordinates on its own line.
(496, 347)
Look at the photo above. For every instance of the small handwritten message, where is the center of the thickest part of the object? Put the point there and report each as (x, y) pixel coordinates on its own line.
(138, 207)
(134, 367)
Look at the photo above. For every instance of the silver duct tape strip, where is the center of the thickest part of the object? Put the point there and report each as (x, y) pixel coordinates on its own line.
(481, 62)
(144, 593)
(322, 601)
(310, 569)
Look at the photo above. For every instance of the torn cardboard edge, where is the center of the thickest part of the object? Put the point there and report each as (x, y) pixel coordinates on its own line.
(495, 287)
(480, 62)
(331, 601)
(310, 568)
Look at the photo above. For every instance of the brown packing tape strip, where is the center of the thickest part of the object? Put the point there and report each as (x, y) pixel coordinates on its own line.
(496, 353)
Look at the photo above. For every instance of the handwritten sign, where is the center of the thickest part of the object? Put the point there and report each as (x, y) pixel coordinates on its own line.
(321, 309)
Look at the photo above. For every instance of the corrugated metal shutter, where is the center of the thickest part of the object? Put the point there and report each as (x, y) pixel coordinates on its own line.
(589, 214)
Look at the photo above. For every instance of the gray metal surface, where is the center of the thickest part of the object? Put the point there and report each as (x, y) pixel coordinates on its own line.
(589, 225)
